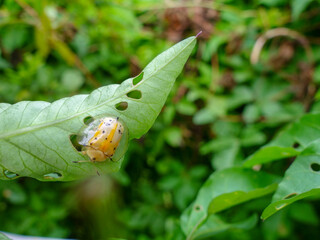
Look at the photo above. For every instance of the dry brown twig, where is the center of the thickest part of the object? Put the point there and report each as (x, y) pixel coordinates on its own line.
(279, 32)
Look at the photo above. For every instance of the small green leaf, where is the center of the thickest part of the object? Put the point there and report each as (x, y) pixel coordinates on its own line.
(223, 190)
(270, 153)
(240, 96)
(301, 133)
(35, 136)
(251, 113)
(251, 136)
(216, 107)
(301, 180)
(173, 136)
(252, 185)
(14, 36)
(298, 6)
(72, 79)
(214, 225)
(185, 107)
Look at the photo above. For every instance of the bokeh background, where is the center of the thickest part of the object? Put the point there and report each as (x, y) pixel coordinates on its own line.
(255, 69)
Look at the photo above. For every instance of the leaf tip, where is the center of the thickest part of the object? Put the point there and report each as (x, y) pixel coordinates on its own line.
(199, 33)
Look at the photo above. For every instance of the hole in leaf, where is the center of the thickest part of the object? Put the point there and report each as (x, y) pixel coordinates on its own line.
(10, 174)
(291, 195)
(197, 208)
(121, 106)
(296, 145)
(137, 79)
(75, 143)
(134, 94)
(87, 120)
(315, 167)
(281, 206)
(53, 175)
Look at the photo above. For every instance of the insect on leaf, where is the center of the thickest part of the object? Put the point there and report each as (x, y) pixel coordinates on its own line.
(35, 136)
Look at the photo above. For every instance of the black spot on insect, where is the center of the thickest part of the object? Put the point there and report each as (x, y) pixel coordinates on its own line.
(103, 131)
(91, 143)
(96, 139)
(106, 138)
(119, 131)
(110, 120)
(114, 148)
(108, 124)
(94, 159)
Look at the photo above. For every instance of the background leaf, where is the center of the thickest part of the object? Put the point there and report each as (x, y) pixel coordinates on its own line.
(214, 225)
(224, 189)
(34, 136)
(301, 134)
(298, 6)
(301, 180)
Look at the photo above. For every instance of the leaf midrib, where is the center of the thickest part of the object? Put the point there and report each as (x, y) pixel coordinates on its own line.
(55, 122)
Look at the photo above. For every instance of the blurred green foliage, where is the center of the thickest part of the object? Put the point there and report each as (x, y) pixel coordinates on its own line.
(222, 109)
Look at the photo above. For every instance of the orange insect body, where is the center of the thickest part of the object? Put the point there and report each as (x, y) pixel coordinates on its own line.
(105, 140)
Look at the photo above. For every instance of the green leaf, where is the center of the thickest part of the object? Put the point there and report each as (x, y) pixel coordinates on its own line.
(173, 136)
(14, 36)
(251, 113)
(186, 108)
(240, 96)
(34, 136)
(301, 133)
(248, 185)
(72, 79)
(212, 46)
(214, 225)
(3, 237)
(251, 136)
(270, 153)
(223, 190)
(216, 107)
(298, 6)
(301, 180)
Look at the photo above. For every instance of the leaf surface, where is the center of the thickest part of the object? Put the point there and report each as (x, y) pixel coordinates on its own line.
(301, 180)
(4, 237)
(225, 189)
(214, 225)
(301, 133)
(35, 136)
